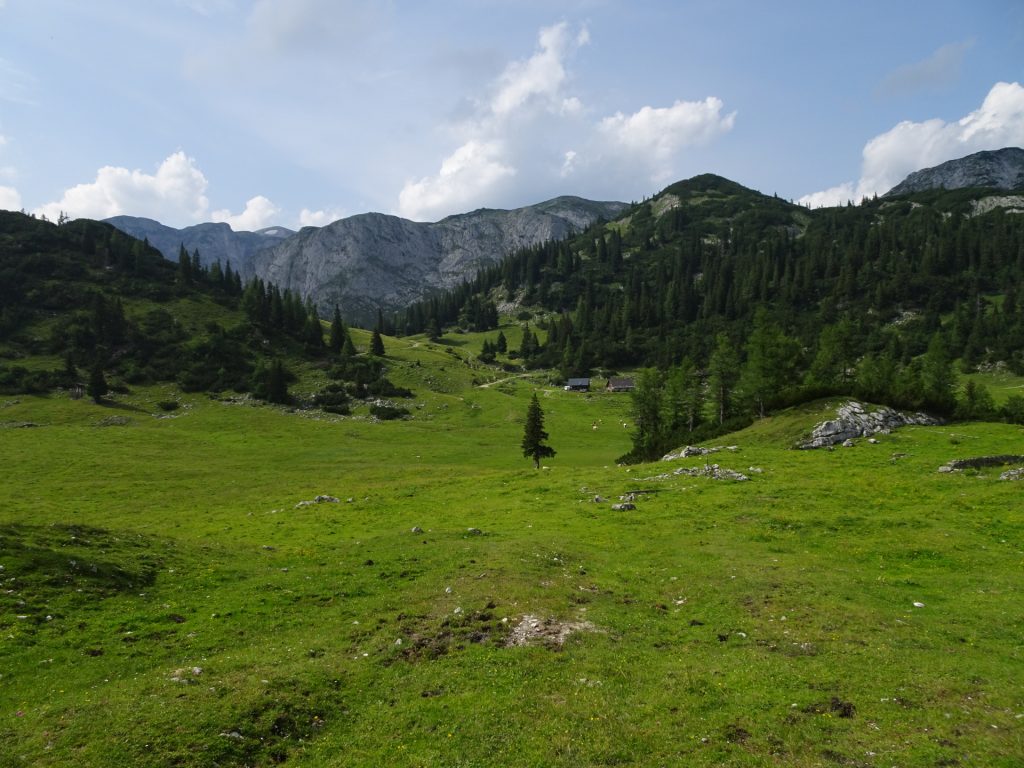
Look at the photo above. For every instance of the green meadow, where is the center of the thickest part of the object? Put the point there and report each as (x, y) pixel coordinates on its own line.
(165, 602)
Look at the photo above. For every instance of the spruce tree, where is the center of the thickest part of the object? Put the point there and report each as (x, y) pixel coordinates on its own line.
(337, 340)
(97, 387)
(534, 434)
(377, 344)
(723, 372)
(277, 383)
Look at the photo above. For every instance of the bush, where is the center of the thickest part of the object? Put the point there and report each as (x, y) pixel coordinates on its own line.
(167, 405)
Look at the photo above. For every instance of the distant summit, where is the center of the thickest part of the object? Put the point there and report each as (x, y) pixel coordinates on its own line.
(998, 169)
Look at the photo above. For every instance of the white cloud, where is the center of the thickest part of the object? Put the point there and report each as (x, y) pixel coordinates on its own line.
(660, 132)
(501, 136)
(568, 164)
(470, 171)
(308, 218)
(10, 200)
(539, 77)
(910, 146)
(175, 194)
(529, 133)
(841, 194)
(259, 213)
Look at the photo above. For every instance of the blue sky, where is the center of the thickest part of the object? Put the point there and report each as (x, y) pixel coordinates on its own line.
(295, 112)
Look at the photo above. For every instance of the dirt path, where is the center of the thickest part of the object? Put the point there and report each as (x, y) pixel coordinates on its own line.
(501, 381)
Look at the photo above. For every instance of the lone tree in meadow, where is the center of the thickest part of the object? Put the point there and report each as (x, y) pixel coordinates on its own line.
(376, 344)
(97, 387)
(534, 435)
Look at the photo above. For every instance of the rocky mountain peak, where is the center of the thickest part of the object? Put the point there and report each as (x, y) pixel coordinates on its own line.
(998, 169)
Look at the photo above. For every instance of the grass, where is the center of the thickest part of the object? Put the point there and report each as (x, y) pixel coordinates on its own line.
(164, 602)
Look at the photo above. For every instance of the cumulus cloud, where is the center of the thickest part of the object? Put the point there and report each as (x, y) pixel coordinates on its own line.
(910, 146)
(940, 69)
(10, 200)
(465, 175)
(259, 212)
(529, 132)
(660, 132)
(321, 218)
(539, 77)
(175, 194)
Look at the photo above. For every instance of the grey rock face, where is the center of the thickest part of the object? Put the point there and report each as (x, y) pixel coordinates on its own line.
(213, 241)
(853, 421)
(1000, 169)
(373, 261)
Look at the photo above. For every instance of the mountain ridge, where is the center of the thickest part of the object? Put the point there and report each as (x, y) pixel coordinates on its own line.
(998, 169)
(372, 262)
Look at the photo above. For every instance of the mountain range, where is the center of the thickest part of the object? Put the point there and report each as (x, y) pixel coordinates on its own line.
(376, 262)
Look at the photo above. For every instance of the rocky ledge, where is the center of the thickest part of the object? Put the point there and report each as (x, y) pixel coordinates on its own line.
(854, 420)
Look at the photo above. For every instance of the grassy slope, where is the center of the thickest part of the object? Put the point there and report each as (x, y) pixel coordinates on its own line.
(737, 623)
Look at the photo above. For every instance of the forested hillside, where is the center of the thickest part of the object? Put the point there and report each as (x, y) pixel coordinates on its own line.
(84, 305)
(754, 303)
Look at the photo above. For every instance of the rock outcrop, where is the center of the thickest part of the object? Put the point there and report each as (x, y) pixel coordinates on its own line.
(999, 169)
(853, 420)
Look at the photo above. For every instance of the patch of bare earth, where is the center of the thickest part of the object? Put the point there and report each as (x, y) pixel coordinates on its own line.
(533, 630)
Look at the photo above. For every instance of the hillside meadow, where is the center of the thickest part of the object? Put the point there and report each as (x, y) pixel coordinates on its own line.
(165, 601)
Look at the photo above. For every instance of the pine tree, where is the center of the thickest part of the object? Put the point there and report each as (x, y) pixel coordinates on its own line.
(501, 345)
(97, 387)
(338, 331)
(723, 372)
(534, 434)
(647, 414)
(938, 380)
(277, 383)
(377, 344)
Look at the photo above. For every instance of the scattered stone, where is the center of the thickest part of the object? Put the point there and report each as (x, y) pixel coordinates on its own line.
(918, 604)
(853, 420)
(232, 735)
(599, 499)
(873, 441)
(624, 507)
(416, 529)
(532, 630)
(696, 450)
(713, 471)
(183, 675)
(958, 465)
(322, 499)
(1013, 474)
(848, 443)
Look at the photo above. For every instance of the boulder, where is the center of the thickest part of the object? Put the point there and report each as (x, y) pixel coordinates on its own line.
(853, 420)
